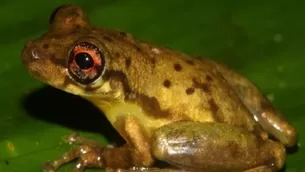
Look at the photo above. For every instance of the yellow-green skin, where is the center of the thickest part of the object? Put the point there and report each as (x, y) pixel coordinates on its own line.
(194, 113)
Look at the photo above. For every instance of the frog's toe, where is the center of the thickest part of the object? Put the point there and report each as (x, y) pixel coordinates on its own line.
(75, 138)
(49, 166)
(71, 138)
(89, 159)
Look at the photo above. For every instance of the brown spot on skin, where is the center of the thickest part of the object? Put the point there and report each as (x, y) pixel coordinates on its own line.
(137, 48)
(233, 149)
(117, 54)
(190, 91)
(213, 106)
(127, 62)
(203, 86)
(177, 67)
(151, 106)
(123, 34)
(190, 62)
(153, 62)
(78, 26)
(107, 38)
(167, 83)
(117, 79)
(59, 61)
(45, 46)
(209, 78)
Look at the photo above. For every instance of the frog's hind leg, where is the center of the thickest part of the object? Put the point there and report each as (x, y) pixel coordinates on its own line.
(215, 147)
(263, 111)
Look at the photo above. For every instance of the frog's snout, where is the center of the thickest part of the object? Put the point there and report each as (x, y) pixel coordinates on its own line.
(29, 53)
(36, 60)
(32, 57)
(32, 54)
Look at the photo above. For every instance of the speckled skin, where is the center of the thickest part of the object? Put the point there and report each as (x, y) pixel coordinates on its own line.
(194, 114)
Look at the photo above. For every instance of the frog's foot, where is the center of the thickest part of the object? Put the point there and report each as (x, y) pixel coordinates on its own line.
(90, 154)
(146, 169)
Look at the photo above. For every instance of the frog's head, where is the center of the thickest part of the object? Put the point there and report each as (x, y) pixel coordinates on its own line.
(67, 57)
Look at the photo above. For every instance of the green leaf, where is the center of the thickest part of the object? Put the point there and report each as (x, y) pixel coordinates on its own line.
(264, 40)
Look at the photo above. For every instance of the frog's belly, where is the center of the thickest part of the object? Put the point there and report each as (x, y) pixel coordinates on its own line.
(149, 122)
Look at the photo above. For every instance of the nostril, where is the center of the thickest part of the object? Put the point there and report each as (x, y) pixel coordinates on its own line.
(34, 54)
(30, 52)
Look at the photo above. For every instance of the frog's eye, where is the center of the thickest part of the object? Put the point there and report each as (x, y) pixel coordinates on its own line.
(86, 63)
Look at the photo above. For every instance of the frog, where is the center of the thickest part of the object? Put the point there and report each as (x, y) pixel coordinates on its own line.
(191, 113)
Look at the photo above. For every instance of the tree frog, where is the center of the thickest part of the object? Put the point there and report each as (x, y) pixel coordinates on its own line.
(194, 114)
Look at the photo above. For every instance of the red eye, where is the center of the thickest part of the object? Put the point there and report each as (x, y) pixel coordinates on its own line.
(86, 63)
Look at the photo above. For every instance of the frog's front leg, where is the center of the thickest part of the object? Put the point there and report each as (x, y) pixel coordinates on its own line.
(136, 152)
(215, 147)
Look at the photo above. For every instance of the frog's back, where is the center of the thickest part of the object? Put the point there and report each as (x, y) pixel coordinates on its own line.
(170, 86)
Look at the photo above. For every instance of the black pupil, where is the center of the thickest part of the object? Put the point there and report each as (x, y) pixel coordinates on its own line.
(84, 60)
